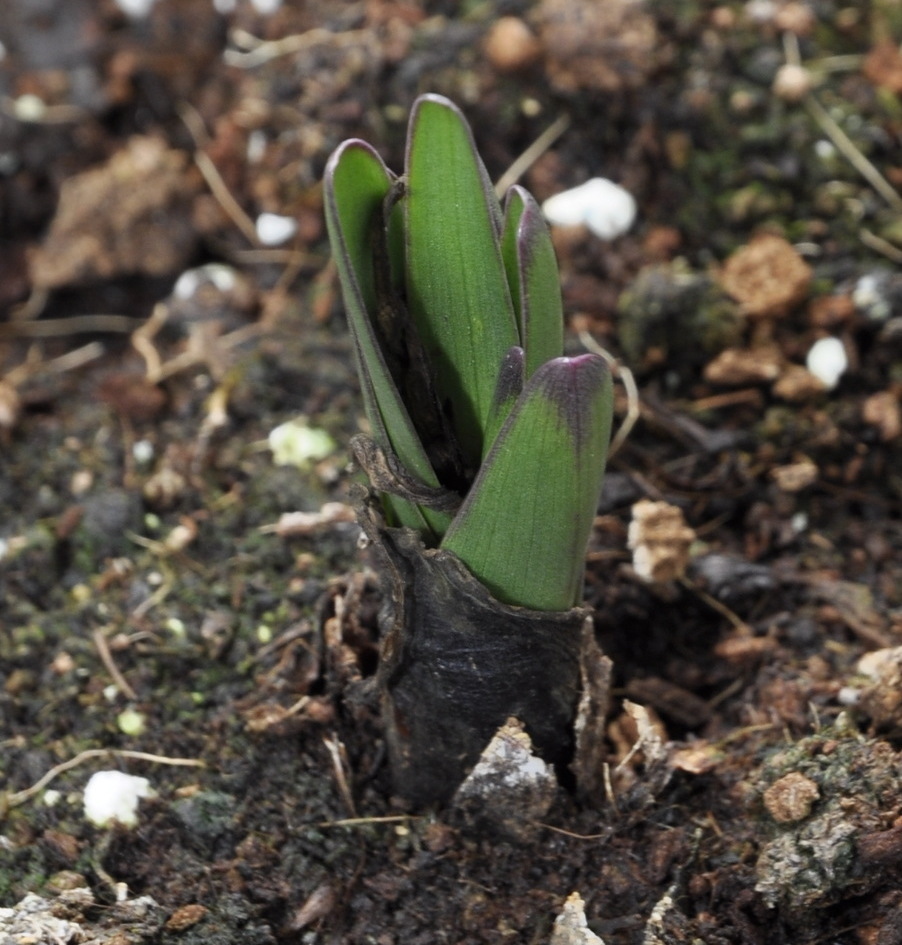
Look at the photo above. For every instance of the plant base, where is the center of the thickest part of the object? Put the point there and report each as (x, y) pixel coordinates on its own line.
(456, 664)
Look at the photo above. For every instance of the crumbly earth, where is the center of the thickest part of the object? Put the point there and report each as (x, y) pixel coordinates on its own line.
(157, 618)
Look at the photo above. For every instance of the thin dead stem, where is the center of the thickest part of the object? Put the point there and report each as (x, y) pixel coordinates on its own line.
(629, 385)
(156, 370)
(366, 821)
(211, 175)
(840, 139)
(715, 604)
(522, 164)
(570, 833)
(107, 658)
(73, 325)
(20, 797)
(882, 246)
(65, 362)
(256, 52)
(337, 755)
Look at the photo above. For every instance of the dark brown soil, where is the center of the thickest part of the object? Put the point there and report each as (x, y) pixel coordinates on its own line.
(151, 602)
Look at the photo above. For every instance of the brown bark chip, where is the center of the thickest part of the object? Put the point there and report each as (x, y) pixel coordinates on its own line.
(129, 216)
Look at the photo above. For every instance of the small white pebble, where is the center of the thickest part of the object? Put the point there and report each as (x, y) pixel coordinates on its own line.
(81, 482)
(792, 82)
(186, 284)
(51, 797)
(866, 290)
(760, 11)
(256, 146)
(571, 926)
(870, 296)
(137, 9)
(266, 6)
(827, 361)
(272, 229)
(568, 208)
(113, 796)
(603, 206)
(29, 107)
(223, 277)
(142, 451)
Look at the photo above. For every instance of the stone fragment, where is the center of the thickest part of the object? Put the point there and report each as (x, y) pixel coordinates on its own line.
(185, 916)
(510, 45)
(766, 276)
(112, 797)
(73, 917)
(827, 361)
(509, 789)
(797, 384)
(571, 927)
(603, 206)
(836, 846)
(881, 699)
(792, 82)
(659, 539)
(795, 17)
(831, 311)
(736, 367)
(791, 798)
(795, 476)
(673, 315)
(883, 411)
(883, 66)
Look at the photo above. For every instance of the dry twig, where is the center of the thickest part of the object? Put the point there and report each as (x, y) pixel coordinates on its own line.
(629, 385)
(522, 164)
(211, 175)
(20, 797)
(256, 51)
(107, 658)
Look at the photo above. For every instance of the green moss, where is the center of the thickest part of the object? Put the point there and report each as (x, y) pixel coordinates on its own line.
(672, 314)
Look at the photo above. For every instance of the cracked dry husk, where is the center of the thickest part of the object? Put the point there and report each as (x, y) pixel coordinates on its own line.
(456, 664)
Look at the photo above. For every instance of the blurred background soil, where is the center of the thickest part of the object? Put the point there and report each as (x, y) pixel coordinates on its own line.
(167, 301)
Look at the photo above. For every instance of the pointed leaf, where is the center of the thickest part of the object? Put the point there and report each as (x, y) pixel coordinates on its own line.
(356, 183)
(513, 210)
(525, 523)
(457, 290)
(532, 272)
(507, 390)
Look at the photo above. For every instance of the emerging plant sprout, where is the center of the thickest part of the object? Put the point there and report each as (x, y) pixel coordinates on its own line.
(487, 448)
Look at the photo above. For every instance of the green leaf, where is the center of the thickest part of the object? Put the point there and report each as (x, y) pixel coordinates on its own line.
(356, 185)
(507, 390)
(524, 526)
(457, 290)
(532, 272)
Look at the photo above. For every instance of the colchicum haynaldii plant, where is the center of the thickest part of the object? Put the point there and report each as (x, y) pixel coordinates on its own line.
(487, 448)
